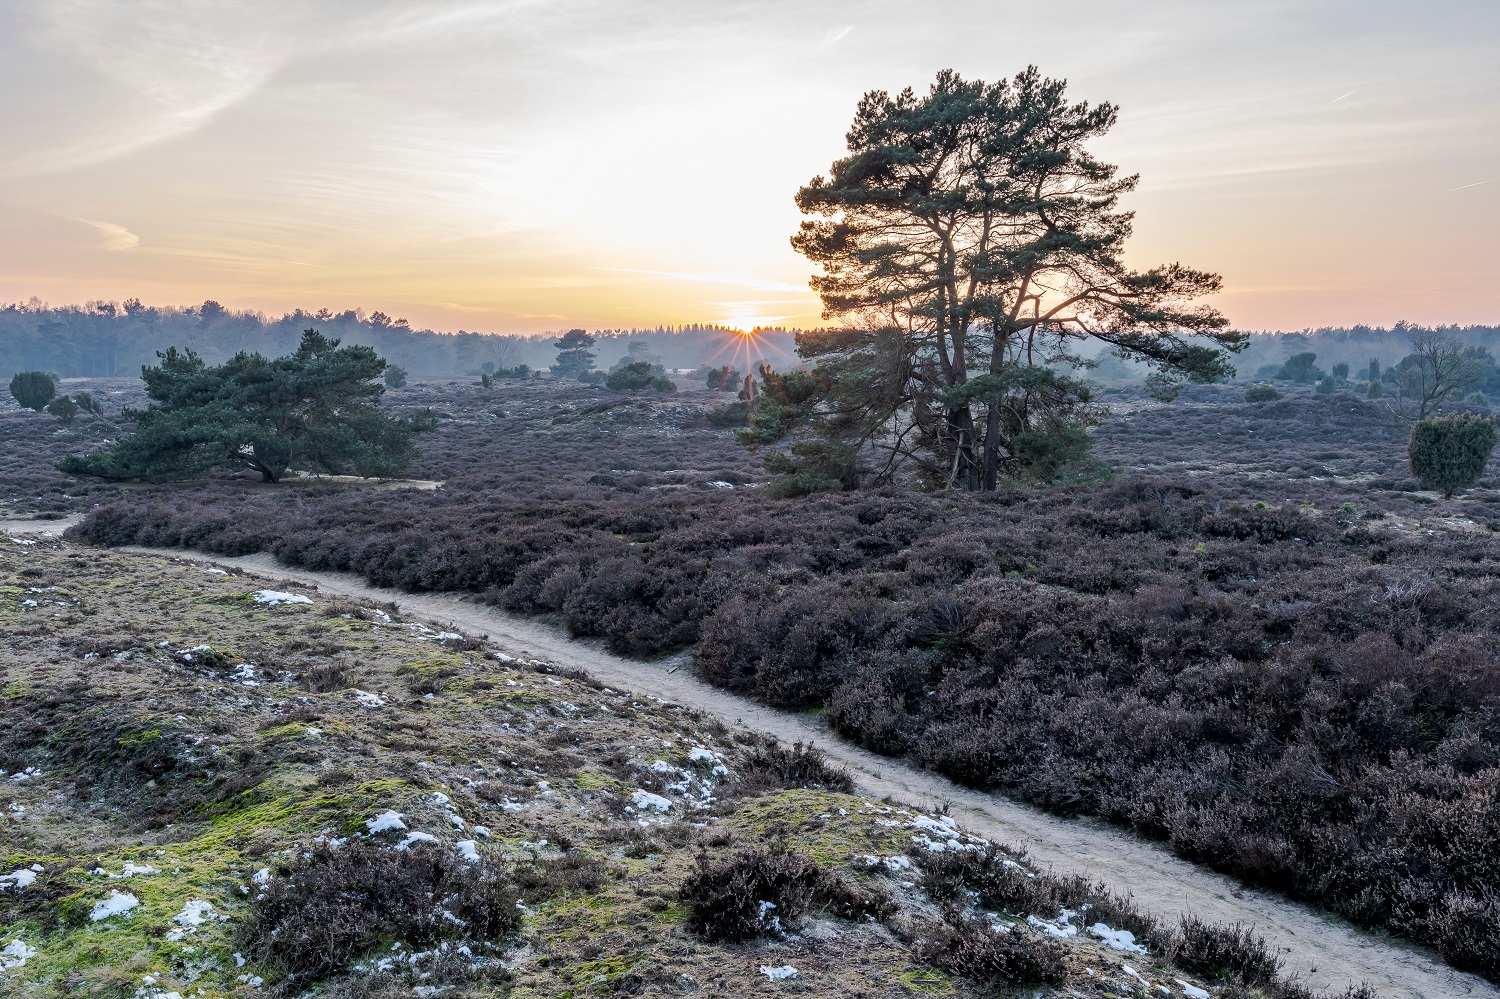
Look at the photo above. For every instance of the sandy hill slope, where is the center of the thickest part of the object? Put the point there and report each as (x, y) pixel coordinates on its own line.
(216, 789)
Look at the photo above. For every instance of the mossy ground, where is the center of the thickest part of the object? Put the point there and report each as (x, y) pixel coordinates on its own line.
(132, 745)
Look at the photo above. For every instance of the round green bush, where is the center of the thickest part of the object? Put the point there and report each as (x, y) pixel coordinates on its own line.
(1451, 452)
(33, 389)
(1261, 392)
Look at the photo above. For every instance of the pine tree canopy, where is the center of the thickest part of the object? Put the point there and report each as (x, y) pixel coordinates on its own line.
(315, 410)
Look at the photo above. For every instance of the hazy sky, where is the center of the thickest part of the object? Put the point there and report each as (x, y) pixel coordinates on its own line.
(528, 165)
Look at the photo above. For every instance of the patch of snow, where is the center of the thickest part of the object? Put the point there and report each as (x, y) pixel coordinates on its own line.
(22, 541)
(645, 799)
(15, 954)
(1117, 939)
(130, 870)
(482, 831)
(778, 973)
(261, 877)
(274, 597)
(386, 822)
(1190, 990)
(115, 905)
(20, 878)
(193, 915)
(216, 572)
(368, 699)
(469, 850)
(416, 837)
(698, 754)
(441, 798)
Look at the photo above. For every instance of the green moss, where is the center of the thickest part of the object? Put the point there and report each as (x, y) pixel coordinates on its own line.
(833, 840)
(927, 982)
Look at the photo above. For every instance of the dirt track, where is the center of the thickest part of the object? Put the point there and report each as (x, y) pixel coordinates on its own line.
(1326, 952)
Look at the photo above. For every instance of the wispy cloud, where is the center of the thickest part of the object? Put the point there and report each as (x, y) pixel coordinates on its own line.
(1465, 187)
(114, 237)
(837, 34)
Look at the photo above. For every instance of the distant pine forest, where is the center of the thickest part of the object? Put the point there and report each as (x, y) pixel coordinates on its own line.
(111, 339)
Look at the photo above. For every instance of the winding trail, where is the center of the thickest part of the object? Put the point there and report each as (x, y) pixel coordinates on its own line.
(1326, 952)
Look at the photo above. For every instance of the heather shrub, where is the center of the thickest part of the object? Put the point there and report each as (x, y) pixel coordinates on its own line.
(756, 893)
(333, 904)
(1450, 453)
(1223, 952)
(972, 949)
(772, 767)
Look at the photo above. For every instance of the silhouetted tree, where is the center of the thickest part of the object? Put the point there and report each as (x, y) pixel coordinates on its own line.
(575, 354)
(973, 242)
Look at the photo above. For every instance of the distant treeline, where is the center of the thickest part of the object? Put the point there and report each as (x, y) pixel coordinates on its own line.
(112, 339)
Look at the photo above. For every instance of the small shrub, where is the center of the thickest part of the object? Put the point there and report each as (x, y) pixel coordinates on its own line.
(729, 414)
(1451, 452)
(802, 483)
(63, 408)
(632, 377)
(335, 903)
(1377, 390)
(88, 403)
(1327, 385)
(772, 767)
(973, 949)
(749, 895)
(323, 678)
(33, 389)
(570, 874)
(395, 376)
(1222, 952)
(1261, 392)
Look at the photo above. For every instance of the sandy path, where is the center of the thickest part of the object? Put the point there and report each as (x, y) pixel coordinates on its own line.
(1326, 952)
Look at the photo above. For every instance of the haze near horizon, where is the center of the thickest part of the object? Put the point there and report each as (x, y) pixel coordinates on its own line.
(520, 167)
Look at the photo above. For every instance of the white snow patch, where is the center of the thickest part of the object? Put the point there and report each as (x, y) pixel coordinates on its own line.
(20, 878)
(700, 755)
(386, 822)
(15, 954)
(1191, 990)
(645, 799)
(115, 905)
(262, 876)
(1117, 939)
(469, 850)
(193, 915)
(416, 837)
(482, 831)
(22, 541)
(130, 870)
(368, 699)
(778, 973)
(274, 597)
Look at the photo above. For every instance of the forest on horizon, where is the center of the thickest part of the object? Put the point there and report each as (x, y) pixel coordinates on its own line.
(104, 339)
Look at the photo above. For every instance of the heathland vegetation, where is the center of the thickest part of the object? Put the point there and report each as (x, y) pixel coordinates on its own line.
(1019, 519)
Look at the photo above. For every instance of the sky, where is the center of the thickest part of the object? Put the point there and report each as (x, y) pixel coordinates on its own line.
(519, 166)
